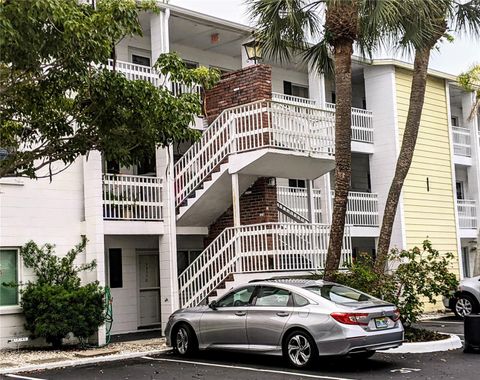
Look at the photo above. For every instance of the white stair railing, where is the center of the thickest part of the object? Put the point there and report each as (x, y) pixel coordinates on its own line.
(256, 248)
(294, 100)
(132, 197)
(462, 144)
(253, 126)
(296, 198)
(467, 213)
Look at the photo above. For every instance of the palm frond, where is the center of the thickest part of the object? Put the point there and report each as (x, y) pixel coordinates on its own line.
(283, 26)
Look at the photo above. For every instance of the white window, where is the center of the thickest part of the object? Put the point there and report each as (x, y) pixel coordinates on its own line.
(8, 274)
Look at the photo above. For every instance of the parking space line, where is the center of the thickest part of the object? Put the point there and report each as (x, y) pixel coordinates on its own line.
(299, 374)
(434, 321)
(22, 377)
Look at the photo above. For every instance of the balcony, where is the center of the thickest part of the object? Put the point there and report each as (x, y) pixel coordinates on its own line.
(467, 214)
(462, 145)
(132, 197)
(362, 209)
(362, 120)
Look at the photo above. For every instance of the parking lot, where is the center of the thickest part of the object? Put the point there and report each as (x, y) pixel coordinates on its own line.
(214, 365)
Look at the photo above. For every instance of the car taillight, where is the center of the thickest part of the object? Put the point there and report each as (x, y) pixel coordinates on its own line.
(396, 315)
(360, 319)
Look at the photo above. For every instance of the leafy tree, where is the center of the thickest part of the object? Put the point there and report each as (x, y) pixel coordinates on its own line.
(57, 292)
(421, 31)
(421, 274)
(470, 81)
(285, 30)
(59, 100)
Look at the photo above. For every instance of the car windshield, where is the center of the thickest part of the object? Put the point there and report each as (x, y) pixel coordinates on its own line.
(339, 294)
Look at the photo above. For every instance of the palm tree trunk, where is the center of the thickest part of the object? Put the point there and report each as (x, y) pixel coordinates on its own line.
(343, 156)
(417, 97)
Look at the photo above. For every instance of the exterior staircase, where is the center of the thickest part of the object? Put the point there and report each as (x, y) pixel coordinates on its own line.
(258, 139)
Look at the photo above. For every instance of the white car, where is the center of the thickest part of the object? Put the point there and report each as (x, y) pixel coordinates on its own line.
(466, 299)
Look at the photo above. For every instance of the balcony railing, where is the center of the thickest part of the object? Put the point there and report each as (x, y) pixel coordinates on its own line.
(467, 213)
(132, 197)
(362, 120)
(462, 145)
(362, 209)
(296, 199)
(134, 71)
(362, 123)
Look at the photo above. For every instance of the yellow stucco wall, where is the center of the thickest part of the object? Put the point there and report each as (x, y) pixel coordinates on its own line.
(429, 214)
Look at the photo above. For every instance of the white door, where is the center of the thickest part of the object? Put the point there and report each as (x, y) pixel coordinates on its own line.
(148, 289)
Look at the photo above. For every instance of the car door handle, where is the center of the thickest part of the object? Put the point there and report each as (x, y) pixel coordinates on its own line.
(283, 314)
(240, 313)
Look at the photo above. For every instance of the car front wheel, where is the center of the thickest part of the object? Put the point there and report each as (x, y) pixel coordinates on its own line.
(185, 341)
(300, 349)
(465, 305)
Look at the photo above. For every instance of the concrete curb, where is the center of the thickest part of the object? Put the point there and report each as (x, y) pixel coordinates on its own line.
(451, 343)
(78, 362)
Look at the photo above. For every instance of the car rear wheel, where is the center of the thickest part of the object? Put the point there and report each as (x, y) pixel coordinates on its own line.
(465, 305)
(300, 349)
(185, 341)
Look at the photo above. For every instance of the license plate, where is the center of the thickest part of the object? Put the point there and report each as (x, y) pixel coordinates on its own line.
(381, 323)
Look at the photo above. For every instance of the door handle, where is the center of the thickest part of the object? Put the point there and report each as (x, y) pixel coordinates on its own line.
(283, 314)
(240, 313)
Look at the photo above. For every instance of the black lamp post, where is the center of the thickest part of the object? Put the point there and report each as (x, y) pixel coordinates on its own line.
(254, 50)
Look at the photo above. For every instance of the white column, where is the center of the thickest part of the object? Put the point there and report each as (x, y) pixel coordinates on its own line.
(159, 33)
(94, 231)
(235, 200)
(310, 201)
(468, 101)
(316, 86)
(169, 301)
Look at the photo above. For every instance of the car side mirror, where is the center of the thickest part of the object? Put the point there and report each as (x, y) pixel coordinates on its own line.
(213, 305)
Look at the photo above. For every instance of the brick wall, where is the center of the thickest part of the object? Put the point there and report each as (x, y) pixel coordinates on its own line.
(239, 87)
(257, 205)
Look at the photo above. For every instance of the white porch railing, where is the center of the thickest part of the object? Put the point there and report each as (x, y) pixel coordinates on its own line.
(296, 199)
(462, 145)
(362, 209)
(294, 100)
(134, 71)
(362, 123)
(257, 248)
(132, 197)
(362, 120)
(467, 213)
(253, 126)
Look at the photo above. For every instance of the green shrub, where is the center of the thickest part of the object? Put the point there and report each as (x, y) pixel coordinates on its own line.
(420, 274)
(56, 304)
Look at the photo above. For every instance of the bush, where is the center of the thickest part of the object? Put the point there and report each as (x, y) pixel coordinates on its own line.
(420, 274)
(56, 304)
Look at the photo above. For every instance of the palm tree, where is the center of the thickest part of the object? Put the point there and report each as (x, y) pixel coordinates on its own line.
(421, 31)
(284, 28)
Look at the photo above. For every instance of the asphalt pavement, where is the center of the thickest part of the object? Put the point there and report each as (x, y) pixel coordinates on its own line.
(215, 365)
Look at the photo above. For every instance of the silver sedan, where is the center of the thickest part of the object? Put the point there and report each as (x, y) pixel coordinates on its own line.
(300, 319)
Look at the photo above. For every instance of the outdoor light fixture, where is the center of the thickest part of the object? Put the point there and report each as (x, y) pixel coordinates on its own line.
(254, 50)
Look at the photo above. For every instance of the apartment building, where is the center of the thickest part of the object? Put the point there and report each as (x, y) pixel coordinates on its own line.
(253, 197)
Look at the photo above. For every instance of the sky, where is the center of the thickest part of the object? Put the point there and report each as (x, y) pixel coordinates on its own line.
(451, 58)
